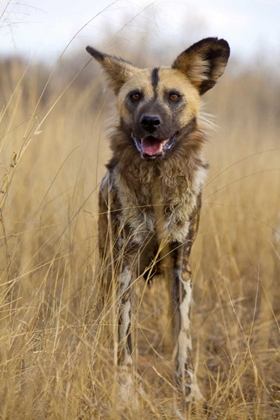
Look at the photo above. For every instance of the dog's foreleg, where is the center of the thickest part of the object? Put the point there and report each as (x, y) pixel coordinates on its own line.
(124, 318)
(182, 295)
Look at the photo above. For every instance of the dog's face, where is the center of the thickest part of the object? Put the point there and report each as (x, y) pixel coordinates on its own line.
(155, 105)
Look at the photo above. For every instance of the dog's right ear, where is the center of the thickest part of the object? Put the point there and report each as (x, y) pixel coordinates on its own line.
(117, 69)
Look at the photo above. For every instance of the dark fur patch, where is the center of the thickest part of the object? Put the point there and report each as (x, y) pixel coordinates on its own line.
(155, 77)
(112, 164)
(206, 85)
(99, 56)
(95, 53)
(212, 48)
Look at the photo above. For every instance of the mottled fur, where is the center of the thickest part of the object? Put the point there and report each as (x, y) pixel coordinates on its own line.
(150, 198)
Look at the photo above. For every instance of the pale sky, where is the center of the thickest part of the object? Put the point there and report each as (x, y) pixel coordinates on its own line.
(43, 28)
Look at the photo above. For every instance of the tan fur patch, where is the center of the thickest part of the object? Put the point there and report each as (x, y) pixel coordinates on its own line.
(140, 81)
(170, 79)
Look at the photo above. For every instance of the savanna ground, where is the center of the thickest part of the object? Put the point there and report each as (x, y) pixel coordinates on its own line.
(57, 359)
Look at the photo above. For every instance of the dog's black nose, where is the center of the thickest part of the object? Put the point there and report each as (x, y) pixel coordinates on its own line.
(150, 123)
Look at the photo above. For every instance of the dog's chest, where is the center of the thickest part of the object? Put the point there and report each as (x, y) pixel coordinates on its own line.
(161, 205)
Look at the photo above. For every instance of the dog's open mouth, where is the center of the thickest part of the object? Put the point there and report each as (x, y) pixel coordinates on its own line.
(151, 147)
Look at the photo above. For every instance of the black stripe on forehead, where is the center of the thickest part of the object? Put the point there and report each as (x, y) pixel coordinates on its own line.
(155, 77)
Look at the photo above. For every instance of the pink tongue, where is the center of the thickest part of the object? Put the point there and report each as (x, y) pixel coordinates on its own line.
(151, 146)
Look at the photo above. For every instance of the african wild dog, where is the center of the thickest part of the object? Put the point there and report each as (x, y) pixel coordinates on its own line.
(150, 198)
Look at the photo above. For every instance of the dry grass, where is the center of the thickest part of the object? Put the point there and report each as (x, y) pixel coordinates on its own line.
(57, 359)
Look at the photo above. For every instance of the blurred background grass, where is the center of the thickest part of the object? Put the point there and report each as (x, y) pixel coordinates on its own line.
(55, 354)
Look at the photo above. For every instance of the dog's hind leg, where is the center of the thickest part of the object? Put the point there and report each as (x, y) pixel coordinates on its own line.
(124, 317)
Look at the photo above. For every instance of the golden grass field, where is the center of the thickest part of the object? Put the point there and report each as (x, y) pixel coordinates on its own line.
(57, 359)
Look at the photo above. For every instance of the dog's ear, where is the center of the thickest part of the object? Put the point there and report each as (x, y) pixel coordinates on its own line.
(204, 62)
(117, 69)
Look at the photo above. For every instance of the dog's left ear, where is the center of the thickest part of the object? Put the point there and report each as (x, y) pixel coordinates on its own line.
(117, 70)
(204, 62)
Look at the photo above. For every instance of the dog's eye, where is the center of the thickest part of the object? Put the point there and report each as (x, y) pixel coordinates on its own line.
(174, 96)
(135, 97)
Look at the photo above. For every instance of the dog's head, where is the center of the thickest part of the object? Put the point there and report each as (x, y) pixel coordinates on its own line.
(156, 104)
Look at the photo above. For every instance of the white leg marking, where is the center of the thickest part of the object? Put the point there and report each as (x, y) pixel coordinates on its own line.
(125, 316)
(125, 279)
(184, 339)
(184, 366)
